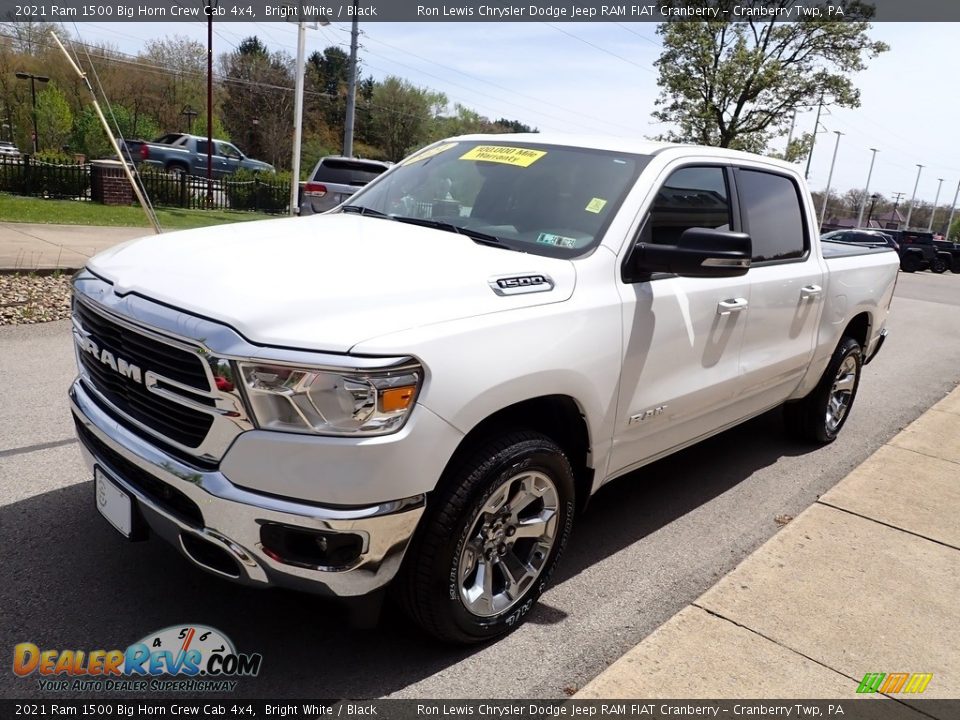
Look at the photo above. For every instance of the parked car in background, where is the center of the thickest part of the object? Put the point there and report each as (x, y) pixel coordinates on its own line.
(334, 179)
(918, 252)
(8, 149)
(862, 236)
(950, 252)
(181, 153)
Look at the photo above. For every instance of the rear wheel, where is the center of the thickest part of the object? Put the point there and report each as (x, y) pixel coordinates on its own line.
(909, 264)
(938, 265)
(486, 550)
(820, 415)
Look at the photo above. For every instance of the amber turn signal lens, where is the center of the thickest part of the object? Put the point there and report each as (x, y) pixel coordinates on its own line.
(396, 398)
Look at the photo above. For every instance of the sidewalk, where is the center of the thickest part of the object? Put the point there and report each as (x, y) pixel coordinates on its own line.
(867, 580)
(29, 246)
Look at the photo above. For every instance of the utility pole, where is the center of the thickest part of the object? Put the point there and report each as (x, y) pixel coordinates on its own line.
(209, 8)
(34, 79)
(893, 213)
(866, 190)
(813, 140)
(933, 212)
(793, 122)
(351, 86)
(906, 225)
(298, 118)
(953, 209)
(826, 195)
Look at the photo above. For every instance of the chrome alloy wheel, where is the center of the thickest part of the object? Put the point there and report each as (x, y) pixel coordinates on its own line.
(841, 394)
(508, 543)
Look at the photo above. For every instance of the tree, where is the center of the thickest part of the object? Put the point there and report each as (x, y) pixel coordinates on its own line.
(401, 116)
(736, 84)
(54, 118)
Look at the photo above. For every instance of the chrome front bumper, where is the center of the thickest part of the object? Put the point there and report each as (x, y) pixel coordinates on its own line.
(232, 517)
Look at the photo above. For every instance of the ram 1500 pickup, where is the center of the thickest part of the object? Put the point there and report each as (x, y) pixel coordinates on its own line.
(423, 388)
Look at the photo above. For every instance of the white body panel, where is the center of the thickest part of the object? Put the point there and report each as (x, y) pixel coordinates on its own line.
(366, 286)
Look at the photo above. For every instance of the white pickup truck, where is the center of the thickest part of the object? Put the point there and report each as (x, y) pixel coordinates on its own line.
(423, 387)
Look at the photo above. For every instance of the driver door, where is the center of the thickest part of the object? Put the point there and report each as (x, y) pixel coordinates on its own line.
(680, 376)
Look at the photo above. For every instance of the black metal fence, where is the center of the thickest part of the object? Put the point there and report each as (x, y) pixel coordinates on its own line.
(34, 177)
(29, 176)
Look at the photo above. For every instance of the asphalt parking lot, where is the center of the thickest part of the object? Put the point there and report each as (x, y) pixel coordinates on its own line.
(648, 545)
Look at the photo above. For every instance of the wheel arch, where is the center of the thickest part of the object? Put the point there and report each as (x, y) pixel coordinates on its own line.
(559, 417)
(859, 329)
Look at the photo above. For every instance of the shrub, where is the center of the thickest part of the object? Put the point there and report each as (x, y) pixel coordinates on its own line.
(265, 192)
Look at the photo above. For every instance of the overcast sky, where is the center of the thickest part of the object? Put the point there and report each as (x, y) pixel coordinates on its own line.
(599, 77)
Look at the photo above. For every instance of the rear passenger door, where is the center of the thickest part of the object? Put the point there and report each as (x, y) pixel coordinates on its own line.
(786, 287)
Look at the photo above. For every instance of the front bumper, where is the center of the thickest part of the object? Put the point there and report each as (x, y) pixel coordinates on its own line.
(217, 525)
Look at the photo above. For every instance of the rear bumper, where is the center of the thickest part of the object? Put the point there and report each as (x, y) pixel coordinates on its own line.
(217, 525)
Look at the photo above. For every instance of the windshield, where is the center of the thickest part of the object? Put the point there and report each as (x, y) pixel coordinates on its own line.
(543, 199)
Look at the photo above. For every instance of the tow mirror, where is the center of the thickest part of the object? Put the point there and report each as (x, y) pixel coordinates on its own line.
(699, 252)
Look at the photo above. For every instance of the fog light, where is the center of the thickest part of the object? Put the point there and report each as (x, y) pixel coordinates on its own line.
(310, 548)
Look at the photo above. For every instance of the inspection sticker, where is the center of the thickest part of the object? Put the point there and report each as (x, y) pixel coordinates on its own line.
(521, 157)
(595, 205)
(428, 153)
(558, 240)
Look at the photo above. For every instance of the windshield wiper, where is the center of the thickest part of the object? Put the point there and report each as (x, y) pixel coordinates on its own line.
(475, 235)
(361, 210)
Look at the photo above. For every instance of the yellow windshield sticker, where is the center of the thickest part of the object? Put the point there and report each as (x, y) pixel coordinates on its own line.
(595, 205)
(520, 157)
(417, 157)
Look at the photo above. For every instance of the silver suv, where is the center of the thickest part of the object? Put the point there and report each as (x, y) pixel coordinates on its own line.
(334, 179)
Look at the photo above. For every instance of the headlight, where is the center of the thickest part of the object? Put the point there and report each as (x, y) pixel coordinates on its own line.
(330, 402)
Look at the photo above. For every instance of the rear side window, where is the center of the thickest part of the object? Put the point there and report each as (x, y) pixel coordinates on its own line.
(691, 197)
(347, 172)
(772, 215)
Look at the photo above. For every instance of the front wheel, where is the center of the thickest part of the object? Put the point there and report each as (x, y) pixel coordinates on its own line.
(820, 415)
(490, 541)
(938, 266)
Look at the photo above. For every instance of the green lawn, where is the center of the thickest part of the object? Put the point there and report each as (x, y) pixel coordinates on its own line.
(14, 208)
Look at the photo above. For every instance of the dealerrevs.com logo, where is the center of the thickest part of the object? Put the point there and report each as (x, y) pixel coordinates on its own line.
(180, 658)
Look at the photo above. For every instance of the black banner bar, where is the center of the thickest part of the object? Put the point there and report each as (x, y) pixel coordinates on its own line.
(491, 11)
(867, 707)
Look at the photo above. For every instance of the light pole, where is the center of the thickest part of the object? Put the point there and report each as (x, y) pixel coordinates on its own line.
(906, 224)
(33, 94)
(953, 209)
(813, 140)
(867, 188)
(933, 211)
(351, 86)
(298, 109)
(873, 201)
(826, 195)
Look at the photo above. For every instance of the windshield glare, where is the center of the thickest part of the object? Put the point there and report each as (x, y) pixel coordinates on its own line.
(543, 199)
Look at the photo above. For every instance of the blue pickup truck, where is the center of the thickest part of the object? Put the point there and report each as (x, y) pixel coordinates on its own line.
(182, 153)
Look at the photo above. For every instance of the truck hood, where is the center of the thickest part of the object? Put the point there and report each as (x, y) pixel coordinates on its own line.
(327, 282)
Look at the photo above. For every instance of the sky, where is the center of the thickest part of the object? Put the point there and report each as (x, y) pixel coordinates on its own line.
(599, 78)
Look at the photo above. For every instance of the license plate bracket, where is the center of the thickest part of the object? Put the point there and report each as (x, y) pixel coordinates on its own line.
(116, 505)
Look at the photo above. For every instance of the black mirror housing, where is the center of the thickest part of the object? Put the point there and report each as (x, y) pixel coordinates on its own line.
(700, 252)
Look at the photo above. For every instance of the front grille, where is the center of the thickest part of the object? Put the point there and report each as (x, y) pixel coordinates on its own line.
(179, 423)
(162, 494)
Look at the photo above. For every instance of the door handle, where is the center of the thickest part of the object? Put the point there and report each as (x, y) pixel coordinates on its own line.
(810, 291)
(734, 305)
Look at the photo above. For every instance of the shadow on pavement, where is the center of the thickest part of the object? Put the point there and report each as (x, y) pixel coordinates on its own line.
(70, 582)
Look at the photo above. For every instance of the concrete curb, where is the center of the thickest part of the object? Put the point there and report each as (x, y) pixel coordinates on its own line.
(866, 580)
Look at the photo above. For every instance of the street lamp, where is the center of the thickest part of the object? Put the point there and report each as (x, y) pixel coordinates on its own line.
(873, 201)
(190, 113)
(34, 79)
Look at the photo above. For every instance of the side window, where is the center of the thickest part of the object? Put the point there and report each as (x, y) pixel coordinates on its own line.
(201, 147)
(772, 215)
(691, 197)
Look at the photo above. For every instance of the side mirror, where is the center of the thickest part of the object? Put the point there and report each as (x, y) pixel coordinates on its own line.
(700, 252)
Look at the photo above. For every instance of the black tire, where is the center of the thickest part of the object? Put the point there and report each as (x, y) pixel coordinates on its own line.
(176, 169)
(909, 263)
(808, 419)
(431, 586)
(938, 265)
